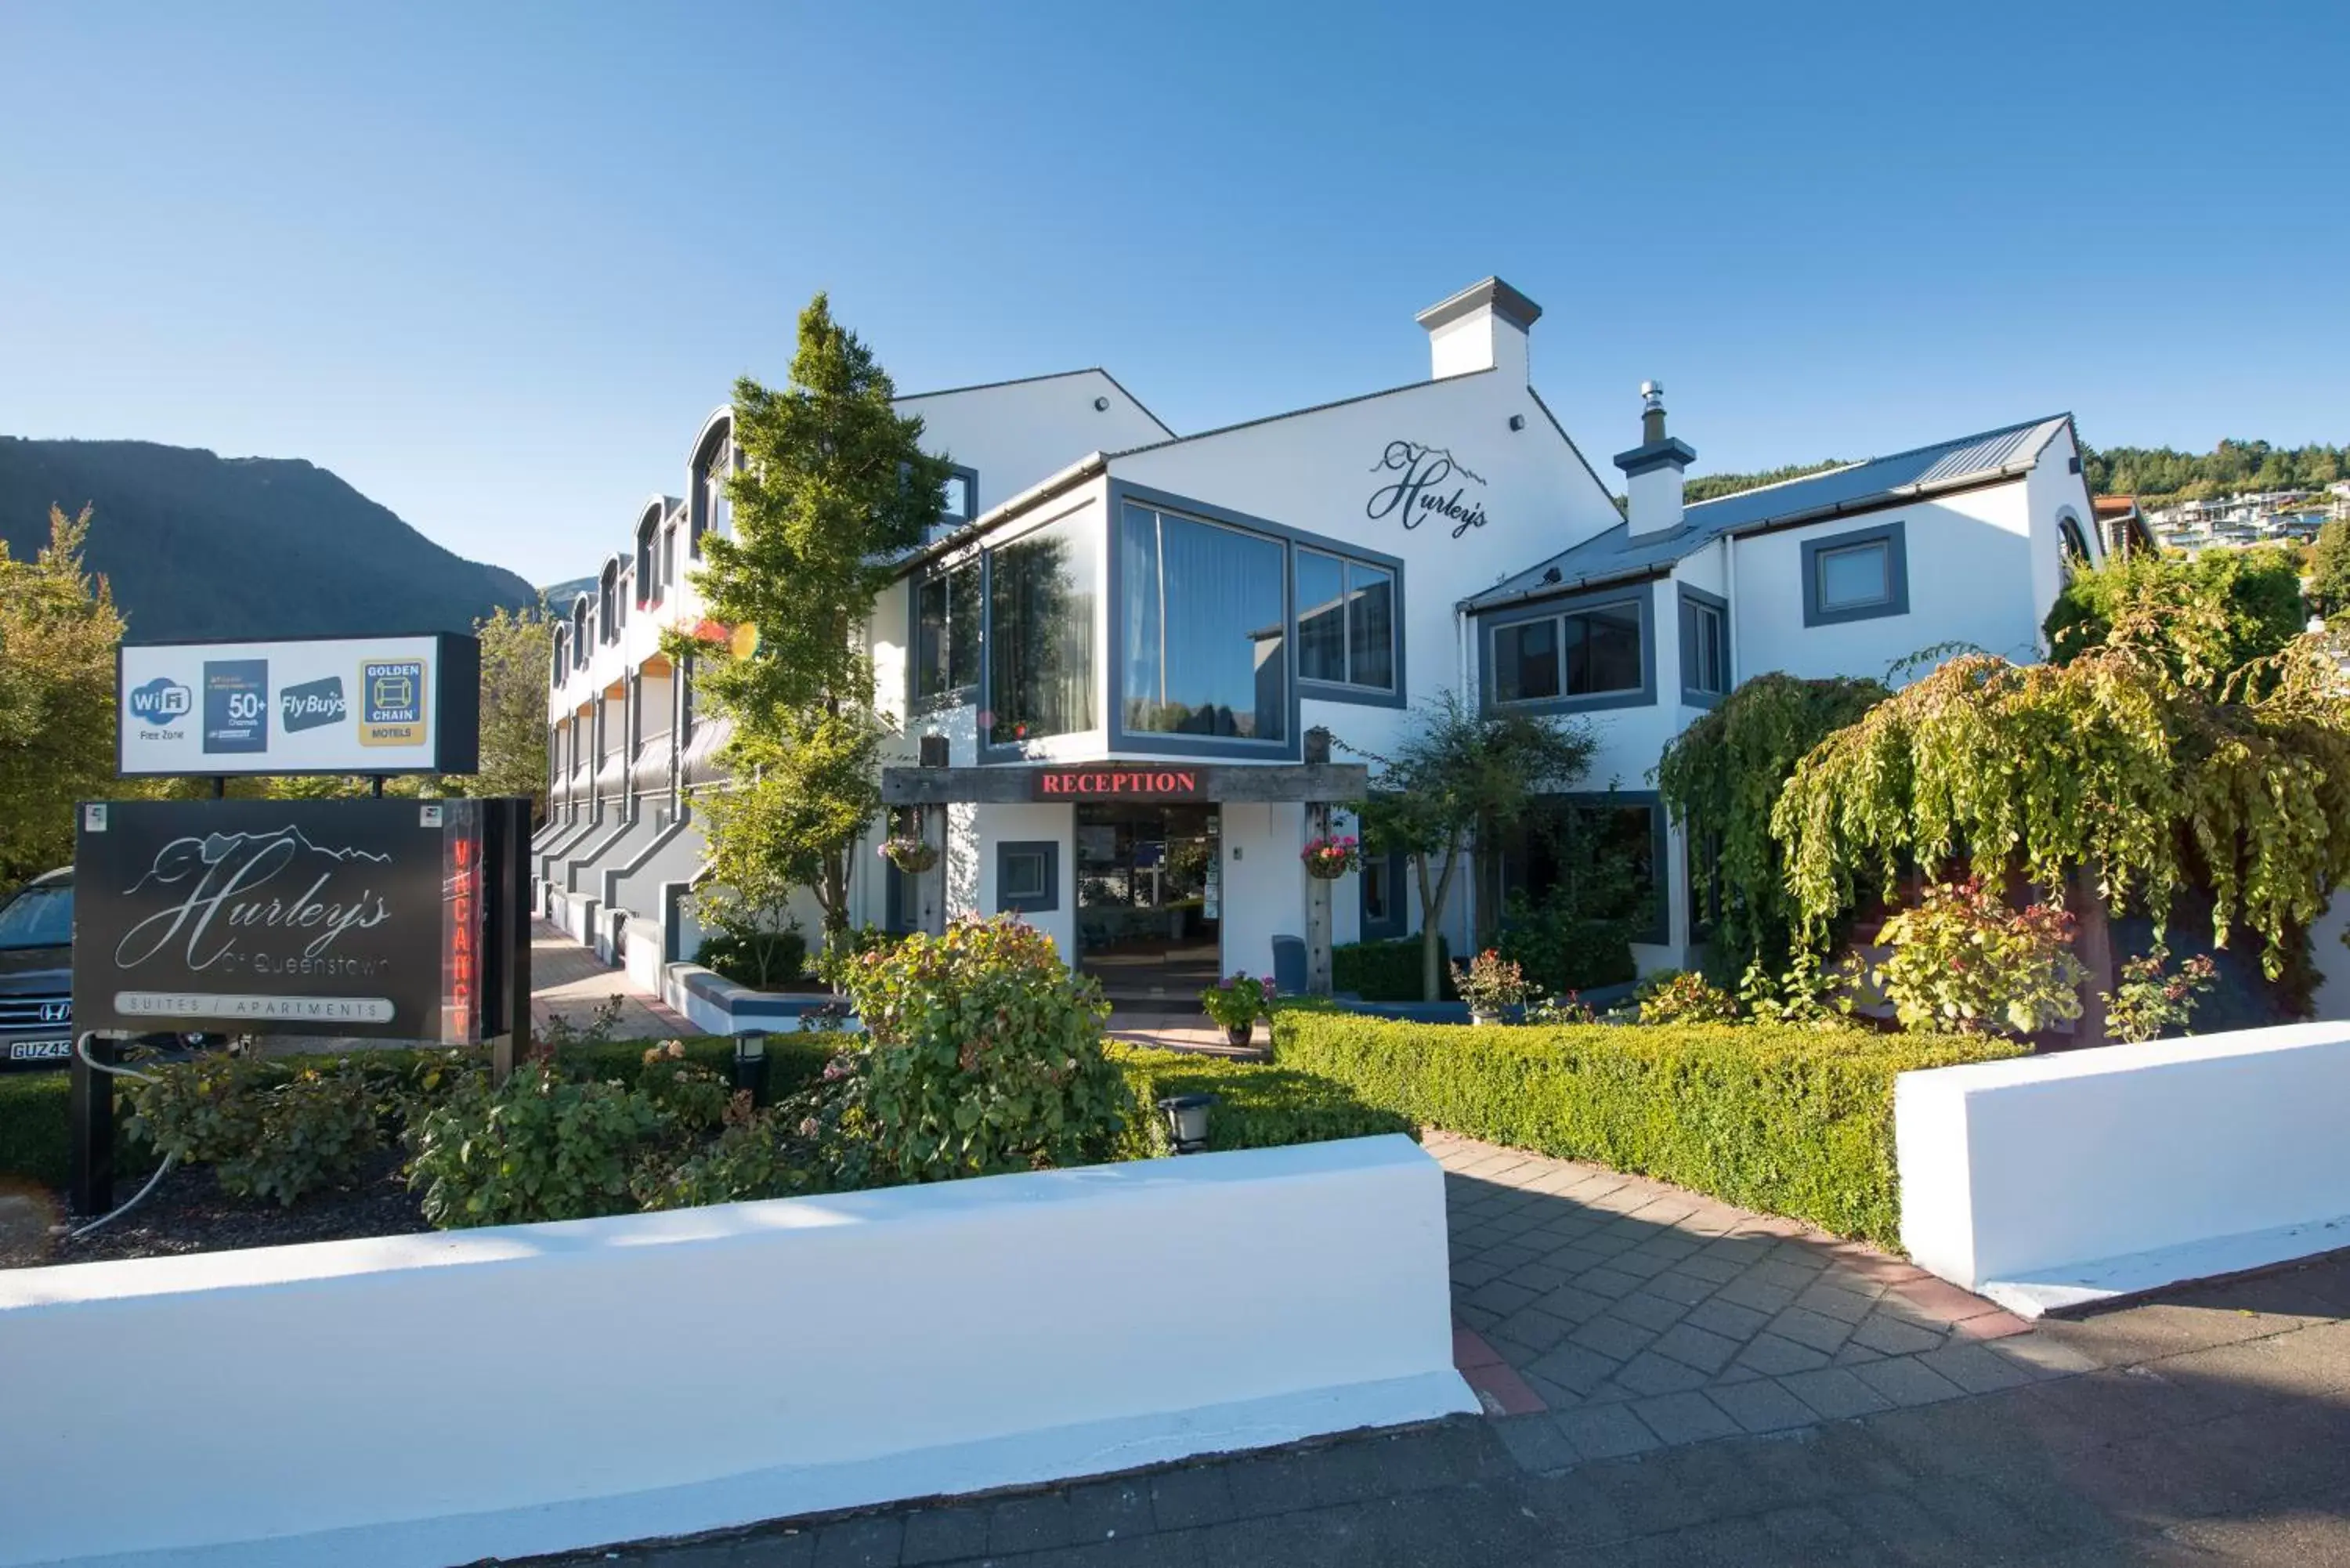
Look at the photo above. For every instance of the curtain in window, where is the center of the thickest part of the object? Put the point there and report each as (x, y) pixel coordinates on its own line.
(1205, 642)
(1041, 656)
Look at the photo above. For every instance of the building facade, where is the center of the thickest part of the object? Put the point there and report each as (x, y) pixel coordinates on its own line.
(1123, 642)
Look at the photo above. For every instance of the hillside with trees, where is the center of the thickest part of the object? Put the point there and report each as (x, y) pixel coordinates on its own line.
(2155, 473)
(196, 546)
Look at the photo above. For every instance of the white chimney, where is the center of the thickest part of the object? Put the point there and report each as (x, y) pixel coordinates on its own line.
(1482, 327)
(1652, 471)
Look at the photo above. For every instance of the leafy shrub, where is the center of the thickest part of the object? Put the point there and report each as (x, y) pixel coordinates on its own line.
(266, 1134)
(769, 1153)
(1963, 959)
(1257, 1106)
(1490, 983)
(1387, 972)
(843, 952)
(541, 1146)
(1790, 1121)
(983, 1053)
(1561, 949)
(1684, 996)
(764, 961)
(2151, 999)
(1237, 1002)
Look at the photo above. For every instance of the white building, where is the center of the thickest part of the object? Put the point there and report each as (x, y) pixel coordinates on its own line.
(1124, 624)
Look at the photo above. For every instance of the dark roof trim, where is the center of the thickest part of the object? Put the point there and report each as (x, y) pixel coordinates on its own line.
(1856, 507)
(1605, 493)
(1508, 304)
(1048, 376)
(1299, 413)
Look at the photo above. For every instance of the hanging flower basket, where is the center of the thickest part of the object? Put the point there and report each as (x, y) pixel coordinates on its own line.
(1331, 859)
(910, 854)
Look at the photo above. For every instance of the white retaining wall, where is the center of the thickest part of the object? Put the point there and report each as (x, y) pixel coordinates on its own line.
(2050, 1181)
(415, 1401)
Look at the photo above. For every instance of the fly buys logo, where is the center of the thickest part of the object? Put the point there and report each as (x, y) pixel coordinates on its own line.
(312, 704)
(160, 703)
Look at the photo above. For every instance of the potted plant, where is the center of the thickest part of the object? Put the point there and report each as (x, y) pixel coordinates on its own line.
(1491, 985)
(1236, 1004)
(1331, 859)
(909, 852)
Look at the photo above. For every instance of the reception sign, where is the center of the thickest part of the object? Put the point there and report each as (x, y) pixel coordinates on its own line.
(318, 705)
(251, 917)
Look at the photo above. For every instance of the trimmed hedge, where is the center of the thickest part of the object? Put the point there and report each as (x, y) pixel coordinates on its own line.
(1259, 1105)
(35, 1141)
(1789, 1121)
(1388, 971)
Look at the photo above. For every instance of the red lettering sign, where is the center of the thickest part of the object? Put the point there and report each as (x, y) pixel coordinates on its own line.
(1146, 783)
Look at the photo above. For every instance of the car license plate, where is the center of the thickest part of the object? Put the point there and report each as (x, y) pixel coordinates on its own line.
(40, 1050)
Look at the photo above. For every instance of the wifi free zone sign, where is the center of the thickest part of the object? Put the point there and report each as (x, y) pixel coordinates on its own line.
(315, 705)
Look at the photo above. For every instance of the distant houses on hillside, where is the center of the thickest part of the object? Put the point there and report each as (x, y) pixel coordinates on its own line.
(2249, 517)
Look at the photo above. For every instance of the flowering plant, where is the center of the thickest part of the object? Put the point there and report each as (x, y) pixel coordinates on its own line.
(909, 852)
(2148, 1000)
(1490, 982)
(1331, 859)
(1963, 959)
(1238, 1002)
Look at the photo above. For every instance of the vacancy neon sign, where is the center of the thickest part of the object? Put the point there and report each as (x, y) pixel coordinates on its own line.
(1056, 784)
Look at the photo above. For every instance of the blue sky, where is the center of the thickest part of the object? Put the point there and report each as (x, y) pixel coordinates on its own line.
(492, 262)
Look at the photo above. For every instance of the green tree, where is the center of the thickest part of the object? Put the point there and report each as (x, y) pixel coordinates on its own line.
(516, 649)
(833, 489)
(1721, 779)
(2109, 778)
(2329, 569)
(59, 631)
(2208, 619)
(1455, 775)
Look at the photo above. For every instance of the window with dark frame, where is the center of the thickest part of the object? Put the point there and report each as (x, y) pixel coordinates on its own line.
(1027, 877)
(946, 632)
(1592, 652)
(1854, 577)
(1708, 651)
(1346, 621)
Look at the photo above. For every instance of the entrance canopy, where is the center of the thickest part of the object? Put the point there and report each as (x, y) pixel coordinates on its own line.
(1071, 782)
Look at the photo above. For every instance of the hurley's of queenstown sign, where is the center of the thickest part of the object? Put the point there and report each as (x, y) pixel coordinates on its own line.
(1420, 492)
(334, 917)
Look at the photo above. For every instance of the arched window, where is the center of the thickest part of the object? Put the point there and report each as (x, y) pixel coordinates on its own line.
(2073, 544)
(707, 509)
(608, 601)
(648, 580)
(556, 668)
(579, 632)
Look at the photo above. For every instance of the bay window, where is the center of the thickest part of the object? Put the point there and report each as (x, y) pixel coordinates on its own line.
(1040, 666)
(1202, 649)
(1346, 621)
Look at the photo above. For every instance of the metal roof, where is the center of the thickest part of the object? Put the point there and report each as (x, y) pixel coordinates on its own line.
(1613, 556)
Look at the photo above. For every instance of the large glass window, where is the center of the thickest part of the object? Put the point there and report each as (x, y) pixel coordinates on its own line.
(1041, 652)
(1204, 648)
(946, 631)
(1346, 621)
(1705, 649)
(1581, 653)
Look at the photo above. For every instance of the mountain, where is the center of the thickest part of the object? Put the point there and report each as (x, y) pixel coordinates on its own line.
(559, 595)
(198, 545)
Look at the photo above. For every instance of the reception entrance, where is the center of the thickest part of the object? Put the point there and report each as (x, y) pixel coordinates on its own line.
(1149, 901)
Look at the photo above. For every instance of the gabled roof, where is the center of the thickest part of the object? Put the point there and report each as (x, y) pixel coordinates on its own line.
(1613, 556)
(1047, 376)
(1299, 413)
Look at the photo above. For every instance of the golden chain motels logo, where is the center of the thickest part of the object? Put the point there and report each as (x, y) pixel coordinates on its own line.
(1134, 783)
(391, 702)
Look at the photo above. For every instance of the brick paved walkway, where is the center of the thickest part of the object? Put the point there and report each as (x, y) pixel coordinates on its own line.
(2212, 1426)
(568, 982)
(1630, 1307)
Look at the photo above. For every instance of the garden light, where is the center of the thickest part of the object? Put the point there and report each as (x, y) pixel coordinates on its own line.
(1187, 1121)
(751, 1064)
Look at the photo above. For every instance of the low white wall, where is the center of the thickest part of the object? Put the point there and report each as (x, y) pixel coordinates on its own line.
(2053, 1180)
(416, 1401)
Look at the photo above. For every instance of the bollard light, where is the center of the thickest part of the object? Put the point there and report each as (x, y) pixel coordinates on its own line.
(751, 1064)
(1187, 1121)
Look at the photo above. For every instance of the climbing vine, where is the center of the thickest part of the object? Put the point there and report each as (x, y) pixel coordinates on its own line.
(1721, 777)
(2111, 767)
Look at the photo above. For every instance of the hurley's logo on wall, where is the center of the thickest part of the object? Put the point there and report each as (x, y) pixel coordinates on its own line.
(1418, 493)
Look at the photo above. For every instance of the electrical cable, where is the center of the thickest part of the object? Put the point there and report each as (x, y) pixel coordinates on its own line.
(81, 1049)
